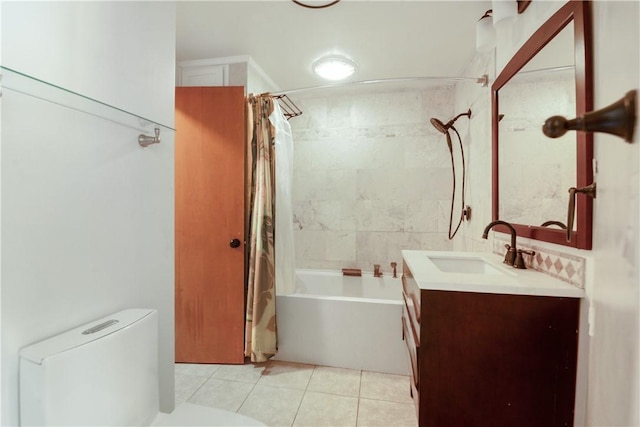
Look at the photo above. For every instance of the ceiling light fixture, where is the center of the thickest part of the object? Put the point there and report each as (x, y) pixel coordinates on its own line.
(334, 67)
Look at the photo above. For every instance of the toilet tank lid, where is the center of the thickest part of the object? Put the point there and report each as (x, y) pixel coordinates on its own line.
(38, 352)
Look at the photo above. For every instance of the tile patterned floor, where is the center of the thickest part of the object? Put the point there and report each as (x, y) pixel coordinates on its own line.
(293, 394)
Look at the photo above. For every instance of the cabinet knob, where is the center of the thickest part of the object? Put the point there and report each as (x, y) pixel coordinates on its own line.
(234, 243)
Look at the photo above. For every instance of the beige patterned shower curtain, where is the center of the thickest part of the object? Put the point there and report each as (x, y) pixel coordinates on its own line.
(260, 329)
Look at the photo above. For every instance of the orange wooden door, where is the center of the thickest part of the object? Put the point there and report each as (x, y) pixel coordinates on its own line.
(209, 214)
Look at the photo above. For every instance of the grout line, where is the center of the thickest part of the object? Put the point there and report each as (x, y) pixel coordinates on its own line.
(359, 393)
(196, 391)
(265, 367)
(246, 397)
(304, 393)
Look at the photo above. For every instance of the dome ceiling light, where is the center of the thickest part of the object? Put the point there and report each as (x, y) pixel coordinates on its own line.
(334, 68)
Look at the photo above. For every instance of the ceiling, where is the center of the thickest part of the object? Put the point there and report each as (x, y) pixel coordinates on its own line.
(387, 39)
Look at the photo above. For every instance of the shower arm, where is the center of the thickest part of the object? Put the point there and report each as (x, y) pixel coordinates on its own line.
(452, 121)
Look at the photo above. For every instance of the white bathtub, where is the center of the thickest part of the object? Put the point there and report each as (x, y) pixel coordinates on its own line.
(341, 321)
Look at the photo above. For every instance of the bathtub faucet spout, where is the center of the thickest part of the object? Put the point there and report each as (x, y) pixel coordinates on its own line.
(394, 265)
(376, 270)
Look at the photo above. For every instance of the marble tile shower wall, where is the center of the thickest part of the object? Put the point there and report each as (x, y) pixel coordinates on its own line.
(371, 177)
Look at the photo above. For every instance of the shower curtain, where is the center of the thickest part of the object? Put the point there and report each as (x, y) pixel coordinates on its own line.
(260, 326)
(285, 254)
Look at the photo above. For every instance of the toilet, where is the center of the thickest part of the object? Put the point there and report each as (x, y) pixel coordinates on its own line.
(105, 373)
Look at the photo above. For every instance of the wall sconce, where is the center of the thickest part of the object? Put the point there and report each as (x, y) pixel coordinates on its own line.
(145, 140)
(618, 119)
(503, 11)
(485, 33)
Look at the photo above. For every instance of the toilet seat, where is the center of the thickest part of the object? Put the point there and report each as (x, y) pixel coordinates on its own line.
(188, 414)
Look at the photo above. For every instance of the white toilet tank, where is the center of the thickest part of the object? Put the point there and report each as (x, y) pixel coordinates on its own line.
(103, 373)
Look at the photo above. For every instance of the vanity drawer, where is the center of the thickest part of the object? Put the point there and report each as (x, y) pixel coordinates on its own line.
(412, 292)
(409, 311)
(412, 349)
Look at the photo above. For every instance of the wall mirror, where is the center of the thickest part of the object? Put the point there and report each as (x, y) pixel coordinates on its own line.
(551, 74)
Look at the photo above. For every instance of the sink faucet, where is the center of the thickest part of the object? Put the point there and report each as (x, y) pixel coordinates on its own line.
(376, 270)
(510, 256)
(394, 265)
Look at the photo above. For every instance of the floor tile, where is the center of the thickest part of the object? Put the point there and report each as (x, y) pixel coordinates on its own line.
(380, 413)
(341, 381)
(222, 394)
(393, 388)
(248, 373)
(196, 369)
(321, 409)
(286, 374)
(186, 386)
(274, 406)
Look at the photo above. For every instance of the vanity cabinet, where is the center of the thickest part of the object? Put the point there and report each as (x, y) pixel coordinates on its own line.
(490, 359)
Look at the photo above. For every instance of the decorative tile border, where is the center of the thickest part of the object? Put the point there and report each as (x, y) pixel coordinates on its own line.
(568, 268)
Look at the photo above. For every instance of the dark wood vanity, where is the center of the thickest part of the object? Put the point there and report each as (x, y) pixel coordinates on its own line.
(486, 359)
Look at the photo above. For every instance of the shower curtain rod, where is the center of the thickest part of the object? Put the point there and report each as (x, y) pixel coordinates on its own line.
(549, 70)
(484, 81)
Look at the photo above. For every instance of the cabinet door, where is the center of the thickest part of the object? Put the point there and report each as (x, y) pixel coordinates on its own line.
(209, 214)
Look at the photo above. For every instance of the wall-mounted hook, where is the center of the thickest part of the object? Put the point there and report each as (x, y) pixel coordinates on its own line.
(618, 119)
(589, 190)
(145, 140)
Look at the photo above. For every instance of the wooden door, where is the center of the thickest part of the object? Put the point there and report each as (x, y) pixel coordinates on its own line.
(209, 214)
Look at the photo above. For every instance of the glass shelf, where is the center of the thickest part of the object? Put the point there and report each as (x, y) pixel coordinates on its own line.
(22, 83)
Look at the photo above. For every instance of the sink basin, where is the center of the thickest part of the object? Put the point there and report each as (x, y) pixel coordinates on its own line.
(470, 265)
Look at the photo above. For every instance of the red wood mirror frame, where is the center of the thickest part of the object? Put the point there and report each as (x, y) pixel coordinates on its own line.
(580, 13)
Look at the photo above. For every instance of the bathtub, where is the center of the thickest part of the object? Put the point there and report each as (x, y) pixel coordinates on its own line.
(341, 321)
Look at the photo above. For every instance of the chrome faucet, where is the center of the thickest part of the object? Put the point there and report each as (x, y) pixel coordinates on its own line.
(510, 256)
(376, 270)
(394, 265)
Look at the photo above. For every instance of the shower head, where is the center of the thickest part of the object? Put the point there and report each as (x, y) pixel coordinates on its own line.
(444, 128)
(441, 127)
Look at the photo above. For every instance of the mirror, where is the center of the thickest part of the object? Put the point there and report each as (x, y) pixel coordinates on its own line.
(546, 84)
(549, 75)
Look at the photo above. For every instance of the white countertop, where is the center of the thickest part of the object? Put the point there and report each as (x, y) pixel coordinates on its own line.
(512, 280)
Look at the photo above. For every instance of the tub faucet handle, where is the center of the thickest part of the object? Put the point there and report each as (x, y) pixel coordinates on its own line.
(394, 265)
(376, 270)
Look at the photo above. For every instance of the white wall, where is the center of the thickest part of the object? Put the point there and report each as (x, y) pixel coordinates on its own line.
(257, 80)
(614, 357)
(612, 375)
(1, 340)
(87, 214)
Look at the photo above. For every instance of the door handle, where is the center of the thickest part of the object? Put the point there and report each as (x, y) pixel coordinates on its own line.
(234, 243)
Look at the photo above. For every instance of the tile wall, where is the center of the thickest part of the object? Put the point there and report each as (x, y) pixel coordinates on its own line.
(556, 263)
(371, 176)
